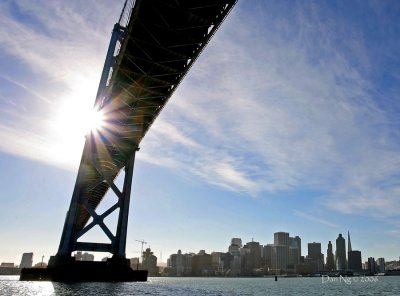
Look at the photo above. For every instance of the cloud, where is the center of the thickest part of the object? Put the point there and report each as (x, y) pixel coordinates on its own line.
(39, 147)
(285, 113)
(315, 219)
(53, 51)
(275, 103)
(394, 232)
(30, 91)
(61, 41)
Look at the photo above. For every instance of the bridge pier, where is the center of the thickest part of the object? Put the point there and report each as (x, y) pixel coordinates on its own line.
(66, 269)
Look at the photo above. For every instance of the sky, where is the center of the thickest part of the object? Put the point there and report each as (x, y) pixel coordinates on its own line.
(288, 121)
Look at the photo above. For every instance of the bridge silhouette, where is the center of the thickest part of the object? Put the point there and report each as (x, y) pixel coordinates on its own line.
(152, 47)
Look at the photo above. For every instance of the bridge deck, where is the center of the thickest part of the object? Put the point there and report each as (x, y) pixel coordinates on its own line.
(162, 41)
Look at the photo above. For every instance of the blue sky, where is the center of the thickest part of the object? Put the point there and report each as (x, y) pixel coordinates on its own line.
(289, 121)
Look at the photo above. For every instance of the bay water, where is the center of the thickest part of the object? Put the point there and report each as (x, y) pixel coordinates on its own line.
(168, 286)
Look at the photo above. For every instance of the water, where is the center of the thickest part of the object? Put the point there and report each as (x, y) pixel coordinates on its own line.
(9, 285)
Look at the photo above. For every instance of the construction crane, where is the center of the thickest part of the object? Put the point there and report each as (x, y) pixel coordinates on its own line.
(143, 243)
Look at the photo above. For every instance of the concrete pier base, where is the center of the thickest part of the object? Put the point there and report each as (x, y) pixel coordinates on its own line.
(68, 270)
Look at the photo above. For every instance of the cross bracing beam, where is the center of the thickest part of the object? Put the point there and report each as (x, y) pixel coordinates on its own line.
(158, 44)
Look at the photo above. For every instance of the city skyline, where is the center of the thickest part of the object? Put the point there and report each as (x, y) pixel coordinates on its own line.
(282, 257)
(288, 120)
(279, 238)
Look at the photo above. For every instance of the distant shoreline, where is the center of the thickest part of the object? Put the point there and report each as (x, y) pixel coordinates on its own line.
(10, 271)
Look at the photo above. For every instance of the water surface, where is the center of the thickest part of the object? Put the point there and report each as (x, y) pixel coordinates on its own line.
(388, 285)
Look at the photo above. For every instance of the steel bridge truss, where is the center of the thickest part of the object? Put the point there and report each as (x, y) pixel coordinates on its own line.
(151, 49)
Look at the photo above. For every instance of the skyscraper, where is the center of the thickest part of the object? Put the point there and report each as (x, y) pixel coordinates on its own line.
(348, 241)
(371, 266)
(294, 250)
(340, 258)
(297, 239)
(380, 262)
(267, 255)
(252, 258)
(330, 262)
(234, 248)
(314, 250)
(281, 238)
(280, 252)
(279, 258)
(353, 257)
(150, 262)
(354, 260)
(26, 261)
(315, 257)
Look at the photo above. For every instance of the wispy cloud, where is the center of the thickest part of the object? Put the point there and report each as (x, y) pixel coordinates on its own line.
(394, 233)
(286, 113)
(315, 219)
(32, 92)
(39, 147)
(62, 47)
(58, 39)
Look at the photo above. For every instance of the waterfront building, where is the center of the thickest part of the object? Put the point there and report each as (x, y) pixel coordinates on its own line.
(202, 264)
(294, 257)
(354, 260)
(392, 265)
(150, 262)
(8, 268)
(280, 252)
(266, 256)
(340, 256)
(227, 262)
(7, 264)
(40, 265)
(135, 263)
(281, 238)
(296, 241)
(87, 257)
(234, 248)
(371, 266)
(180, 264)
(294, 250)
(83, 257)
(26, 260)
(216, 261)
(236, 241)
(330, 262)
(380, 262)
(236, 266)
(78, 256)
(279, 258)
(251, 258)
(314, 251)
(315, 258)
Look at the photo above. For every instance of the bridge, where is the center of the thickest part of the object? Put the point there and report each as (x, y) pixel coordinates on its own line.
(152, 47)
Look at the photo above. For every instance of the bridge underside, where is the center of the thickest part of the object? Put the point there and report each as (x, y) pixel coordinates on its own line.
(161, 42)
(157, 46)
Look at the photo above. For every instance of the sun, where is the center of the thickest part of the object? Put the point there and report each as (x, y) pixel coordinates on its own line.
(74, 114)
(93, 121)
(74, 117)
